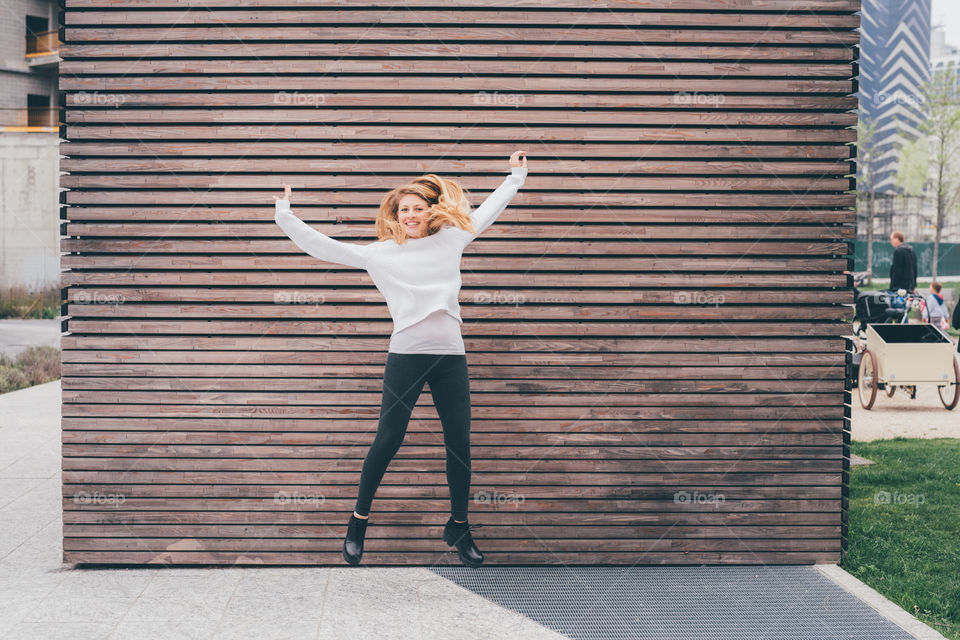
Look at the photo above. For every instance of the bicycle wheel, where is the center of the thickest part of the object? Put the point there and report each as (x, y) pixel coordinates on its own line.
(950, 393)
(867, 389)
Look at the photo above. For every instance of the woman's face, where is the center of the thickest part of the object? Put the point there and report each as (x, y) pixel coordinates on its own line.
(412, 214)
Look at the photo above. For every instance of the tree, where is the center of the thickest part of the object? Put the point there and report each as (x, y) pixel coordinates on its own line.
(867, 184)
(933, 156)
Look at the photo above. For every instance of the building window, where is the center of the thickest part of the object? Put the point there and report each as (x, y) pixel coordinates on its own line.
(39, 113)
(40, 41)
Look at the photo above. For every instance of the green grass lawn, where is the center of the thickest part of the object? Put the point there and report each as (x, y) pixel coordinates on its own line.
(907, 546)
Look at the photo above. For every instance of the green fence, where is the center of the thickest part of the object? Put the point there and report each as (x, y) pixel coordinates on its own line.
(948, 263)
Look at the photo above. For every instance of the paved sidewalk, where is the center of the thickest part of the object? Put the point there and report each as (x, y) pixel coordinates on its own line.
(922, 417)
(40, 597)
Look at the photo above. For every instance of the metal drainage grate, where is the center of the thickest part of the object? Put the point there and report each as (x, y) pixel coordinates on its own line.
(782, 602)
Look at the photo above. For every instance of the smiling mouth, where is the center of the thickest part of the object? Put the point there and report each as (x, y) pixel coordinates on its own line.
(412, 225)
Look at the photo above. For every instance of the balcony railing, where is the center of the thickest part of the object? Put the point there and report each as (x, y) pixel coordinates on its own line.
(44, 43)
(32, 119)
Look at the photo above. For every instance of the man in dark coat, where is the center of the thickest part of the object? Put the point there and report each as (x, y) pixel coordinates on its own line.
(903, 268)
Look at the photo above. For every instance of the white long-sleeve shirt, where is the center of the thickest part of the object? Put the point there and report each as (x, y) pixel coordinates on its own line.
(417, 278)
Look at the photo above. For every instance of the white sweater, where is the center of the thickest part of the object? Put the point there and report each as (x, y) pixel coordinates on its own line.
(416, 278)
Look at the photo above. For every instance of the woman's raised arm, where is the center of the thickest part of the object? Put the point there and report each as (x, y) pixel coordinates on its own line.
(318, 245)
(485, 215)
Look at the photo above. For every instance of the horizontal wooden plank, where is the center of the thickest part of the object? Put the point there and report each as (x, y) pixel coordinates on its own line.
(416, 437)
(589, 184)
(480, 398)
(345, 278)
(442, 505)
(705, 365)
(136, 485)
(644, 451)
(491, 486)
(548, 167)
(780, 198)
(453, 155)
(619, 262)
(811, 187)
(501, 532)
(216, 315)
(714, 427)
(460, 66)
(658, 408)
(393, 15)
(198, 297)
(242, 557)
(493, 546)
(519, 133)
(779, 6)
(828, 381)
(474, 49)
(581, 231)
(499, 517)
(351, 356)
(480, 466)
(468, 82)
(315, 330)
(344, 320)
(522, 222)
(627, 245)
(701, 32)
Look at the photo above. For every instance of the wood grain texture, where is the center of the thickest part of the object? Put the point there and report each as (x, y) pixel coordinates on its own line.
(655, 327)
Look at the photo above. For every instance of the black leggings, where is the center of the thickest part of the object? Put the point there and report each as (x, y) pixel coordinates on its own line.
(403, 379)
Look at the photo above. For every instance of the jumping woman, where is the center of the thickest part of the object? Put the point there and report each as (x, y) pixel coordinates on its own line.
(423, 228)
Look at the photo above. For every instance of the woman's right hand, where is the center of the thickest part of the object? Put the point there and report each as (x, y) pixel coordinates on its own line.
(286, 193)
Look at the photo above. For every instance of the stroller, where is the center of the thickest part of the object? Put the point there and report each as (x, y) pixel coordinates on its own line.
(874, 307)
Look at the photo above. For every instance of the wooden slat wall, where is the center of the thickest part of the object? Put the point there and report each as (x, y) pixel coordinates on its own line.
(668, 299)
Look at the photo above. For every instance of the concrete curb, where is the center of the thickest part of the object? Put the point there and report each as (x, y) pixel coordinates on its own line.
(887, 608)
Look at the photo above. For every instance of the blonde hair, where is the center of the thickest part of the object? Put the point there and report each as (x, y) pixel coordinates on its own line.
(448, 206)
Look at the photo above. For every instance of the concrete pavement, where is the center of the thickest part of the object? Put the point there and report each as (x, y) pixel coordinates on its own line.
(40, 597)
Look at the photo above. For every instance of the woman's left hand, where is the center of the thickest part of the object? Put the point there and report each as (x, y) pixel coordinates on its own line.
(286, 193)
(515, 158)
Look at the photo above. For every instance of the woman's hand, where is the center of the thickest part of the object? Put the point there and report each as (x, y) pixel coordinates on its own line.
(286, 193)
(515, 158)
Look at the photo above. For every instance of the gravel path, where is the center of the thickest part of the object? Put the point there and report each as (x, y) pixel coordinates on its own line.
(923, 417)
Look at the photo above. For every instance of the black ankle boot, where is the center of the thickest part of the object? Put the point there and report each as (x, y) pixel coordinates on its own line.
(353, 543)
(458, 533)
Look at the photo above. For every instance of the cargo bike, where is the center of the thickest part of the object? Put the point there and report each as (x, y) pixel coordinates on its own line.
(907, 355)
